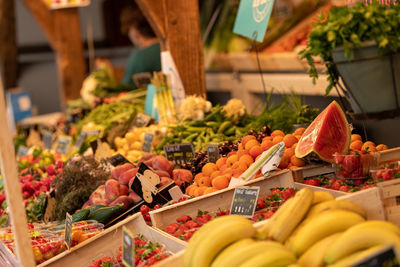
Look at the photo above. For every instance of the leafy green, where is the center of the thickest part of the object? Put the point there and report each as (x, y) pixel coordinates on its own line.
(349, 27)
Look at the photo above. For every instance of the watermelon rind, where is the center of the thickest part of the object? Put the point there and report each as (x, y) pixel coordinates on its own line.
(302, 151)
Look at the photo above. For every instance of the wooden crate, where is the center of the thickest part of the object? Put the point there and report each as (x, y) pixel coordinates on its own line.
(390, 191)
(108, 242)
(222, 199)
(389, 155)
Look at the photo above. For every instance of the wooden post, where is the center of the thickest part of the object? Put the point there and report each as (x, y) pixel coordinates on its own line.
(62, 28)
(177, 24)
(8, 41)
(12, 188)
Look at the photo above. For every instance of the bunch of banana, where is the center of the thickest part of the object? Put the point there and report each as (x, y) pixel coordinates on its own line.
(330, 232)
(230, 241)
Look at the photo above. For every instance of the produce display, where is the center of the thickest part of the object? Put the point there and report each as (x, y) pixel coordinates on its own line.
(185, 226)
(130, 146)
(306, 230)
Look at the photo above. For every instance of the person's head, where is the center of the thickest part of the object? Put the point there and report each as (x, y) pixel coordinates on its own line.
(135, 25)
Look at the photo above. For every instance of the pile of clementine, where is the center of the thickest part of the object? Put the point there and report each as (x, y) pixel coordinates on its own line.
(356, 144)
(216, 176)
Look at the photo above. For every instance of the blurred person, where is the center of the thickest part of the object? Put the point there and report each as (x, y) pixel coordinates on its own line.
(145, 57)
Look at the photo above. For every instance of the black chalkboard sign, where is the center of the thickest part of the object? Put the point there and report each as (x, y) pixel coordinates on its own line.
(213, 153)
(47, 139)
(179, 153)
(147, 142)
(68, 230)
(245, 200)
(118, 160)
(384, 257)
(127, 248)
(146, 186)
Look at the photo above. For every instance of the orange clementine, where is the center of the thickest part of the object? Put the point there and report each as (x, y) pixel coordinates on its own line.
(251, 143)
(289, 152)
(195, 192)
(381, 147)
(297, 162)
(220, 182)
(246, 159)
(277, 139)
(267, 138)
(205, 181)
(221, 161)
(210, 190)
(215, 174)
(267, 144)
(255, 151)
(277, 133)
(197, 178)
(240, 153)
(284, 162)
(189, 189)
(299, 131)
(356, 145)
(294, 145)
(223, 167)
(235, 165)
(370, 146)
(209, 168)
(289, 140)
(232, 159)
(228, 172)
(246, 139)
(355, 137)
(298, 137)
(201, 190)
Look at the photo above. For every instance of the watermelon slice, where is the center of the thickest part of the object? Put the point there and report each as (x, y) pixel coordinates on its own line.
(328, 133)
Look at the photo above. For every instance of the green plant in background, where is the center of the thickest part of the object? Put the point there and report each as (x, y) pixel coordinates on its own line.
(349, 27)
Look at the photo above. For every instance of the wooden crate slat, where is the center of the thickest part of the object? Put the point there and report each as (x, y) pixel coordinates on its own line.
(335, 193)
(389, 155)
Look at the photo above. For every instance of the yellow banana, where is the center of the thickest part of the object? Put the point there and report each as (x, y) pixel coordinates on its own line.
(360, 237)
(283, 224)
(321, 196)
(237, 256)
(321, 226)
(267, 226)
(218, 238)
(356, 257)
(199, 235)
(271, 257)
(314, 256)
(231, 249)
(336, 204)
(378, 224)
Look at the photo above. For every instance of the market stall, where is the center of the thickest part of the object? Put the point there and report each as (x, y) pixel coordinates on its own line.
(164, 177)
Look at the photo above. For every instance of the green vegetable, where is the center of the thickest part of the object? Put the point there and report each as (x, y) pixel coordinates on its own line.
(349, 27)
(225, 125)
(80, 215)
(106, 214)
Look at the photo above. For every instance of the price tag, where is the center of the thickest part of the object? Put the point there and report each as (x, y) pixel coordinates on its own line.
(22, 151)
(147, 142)
(252, 18)
(213, 153)
(47, 139)
(145, 185)
(68, 230)
(383, 257)
(141, 120)
(179, 153)
(245, 200)
(127, 248)
(63, 143)
(81, 139)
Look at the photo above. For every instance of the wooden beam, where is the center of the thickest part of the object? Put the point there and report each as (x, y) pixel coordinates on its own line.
(62, 28)
(8, 165)
(8, 41)
(181, 21)
(70, 58)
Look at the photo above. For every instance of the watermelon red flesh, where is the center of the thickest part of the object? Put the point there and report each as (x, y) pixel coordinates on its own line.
(327, 134)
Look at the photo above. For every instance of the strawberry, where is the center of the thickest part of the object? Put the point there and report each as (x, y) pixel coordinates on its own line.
(170, 229)
(260, 204)
(144, 209)
(204, 218)
(336, 185)
(288, 193)
(222, 212)
(313, 181)
(183, 219)
(344, 188)
(192, 224)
